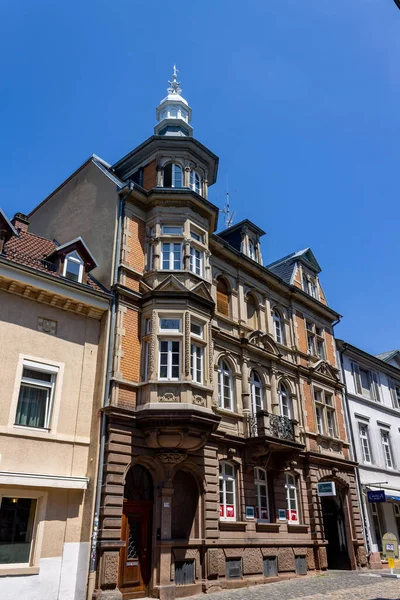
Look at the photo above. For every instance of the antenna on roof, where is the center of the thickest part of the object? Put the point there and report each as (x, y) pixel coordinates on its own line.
(229, 215)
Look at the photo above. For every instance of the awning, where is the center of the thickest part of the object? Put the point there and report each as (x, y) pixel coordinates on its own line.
(389, 494)
(67, 482)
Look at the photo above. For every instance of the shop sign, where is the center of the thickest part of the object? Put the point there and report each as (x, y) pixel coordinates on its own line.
(376, 496)
(326, 488)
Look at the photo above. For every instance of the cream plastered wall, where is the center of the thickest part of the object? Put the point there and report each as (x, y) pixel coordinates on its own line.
(73, 350)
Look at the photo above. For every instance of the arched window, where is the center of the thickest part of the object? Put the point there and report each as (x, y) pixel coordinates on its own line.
(138, 484)
(278, 329)
(292, 502)
(261, 486)
(173, 175)
(227, 492)
(222, 297)
(184, 521)
(256, 392)
(285, 403)
(195, 182)
(225, 385)
(73, 267)
(252, 315)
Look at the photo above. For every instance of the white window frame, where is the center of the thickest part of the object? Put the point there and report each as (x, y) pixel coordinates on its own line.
(365, 443)
(173, 174)
(278, 327)
(223, 478)
(196, 361)
(170, 258)
(260, 482)
(283, 392)
(165, 227)
(222, 373)
(197, 262)
(291, 484)
(36, 383)
(256, 388)
(387, 449)
(395, 393)
(324, 411)
(197, 237)
(75, 258)
(196, 186)
(252, 250)
(195, 323)
(170, 329)
(169, 365)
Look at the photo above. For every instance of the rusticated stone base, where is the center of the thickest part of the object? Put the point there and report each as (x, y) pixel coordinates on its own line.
(107, 595)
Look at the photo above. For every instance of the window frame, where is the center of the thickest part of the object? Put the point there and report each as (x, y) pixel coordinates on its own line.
(193, 184)
(50, 386)
(372, 380)
(171, 256)
(258, 483)
(174, 167)
(170, 352)
(278, 327)
(315, 340)
(254, 386)
(327, 411)
(292, 487)
(223, 477)
(222, 373)
(196, 263)
(387, 448)
(77, 261)
(283, 391)
(197, 358)
(365, 442)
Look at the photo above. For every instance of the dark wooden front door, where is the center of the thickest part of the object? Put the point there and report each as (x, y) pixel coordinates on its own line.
(135, 557)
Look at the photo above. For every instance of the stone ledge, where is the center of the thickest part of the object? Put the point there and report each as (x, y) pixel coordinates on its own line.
(233, 525)
(270, 527)
(292, 528)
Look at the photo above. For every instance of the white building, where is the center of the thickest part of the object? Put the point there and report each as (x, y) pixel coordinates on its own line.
(373, 410)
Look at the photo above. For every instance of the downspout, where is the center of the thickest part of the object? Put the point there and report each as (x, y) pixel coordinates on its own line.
(353, 448)
(107, 391)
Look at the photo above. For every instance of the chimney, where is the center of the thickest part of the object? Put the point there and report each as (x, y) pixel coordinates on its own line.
(20, 222)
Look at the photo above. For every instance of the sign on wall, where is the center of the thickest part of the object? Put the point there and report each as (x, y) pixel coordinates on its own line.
(326, 488)
(390, 546)
(376, 496)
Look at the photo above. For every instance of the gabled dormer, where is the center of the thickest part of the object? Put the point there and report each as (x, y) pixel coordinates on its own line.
(245, 237)
(73, 260)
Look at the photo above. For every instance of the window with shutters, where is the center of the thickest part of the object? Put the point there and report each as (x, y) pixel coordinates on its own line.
(395, 393)
(366, 382)
(227, 491)
(222, 297)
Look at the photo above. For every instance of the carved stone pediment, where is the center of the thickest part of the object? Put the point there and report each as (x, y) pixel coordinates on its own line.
(326, 369)
(202, 290)
(171, 284)
(263, 340)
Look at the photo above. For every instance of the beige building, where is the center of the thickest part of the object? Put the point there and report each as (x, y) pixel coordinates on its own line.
(53, 322)
(224, 410)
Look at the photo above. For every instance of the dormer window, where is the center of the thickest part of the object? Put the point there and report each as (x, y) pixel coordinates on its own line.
(310, 286)
(73, 267)
(195, 182)
(173, 176)
(252, 250)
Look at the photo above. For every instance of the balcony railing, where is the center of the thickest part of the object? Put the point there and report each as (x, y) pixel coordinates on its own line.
(267, 424)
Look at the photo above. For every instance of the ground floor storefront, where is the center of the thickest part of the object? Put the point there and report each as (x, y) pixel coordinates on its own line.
(217, 513)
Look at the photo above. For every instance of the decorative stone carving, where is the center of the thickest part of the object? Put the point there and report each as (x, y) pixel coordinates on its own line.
(210, 354)
(47, 326)
(199, 400)
(172, 458)
(170, 396)
(187, 343)
(109, 569)
(153, 341)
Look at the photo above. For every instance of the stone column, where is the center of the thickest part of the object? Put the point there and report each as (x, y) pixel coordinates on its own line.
(159, 173)
(186, 176)
(186, 255)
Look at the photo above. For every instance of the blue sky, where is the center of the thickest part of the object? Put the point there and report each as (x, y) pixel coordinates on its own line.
(300, 100)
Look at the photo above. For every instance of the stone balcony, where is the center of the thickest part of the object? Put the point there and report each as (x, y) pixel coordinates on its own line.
(268, 432)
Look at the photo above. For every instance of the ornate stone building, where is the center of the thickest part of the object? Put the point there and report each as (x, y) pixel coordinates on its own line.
(224, 407)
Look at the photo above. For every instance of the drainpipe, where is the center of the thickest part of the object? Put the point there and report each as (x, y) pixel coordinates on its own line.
(353, 448)
(106, 400)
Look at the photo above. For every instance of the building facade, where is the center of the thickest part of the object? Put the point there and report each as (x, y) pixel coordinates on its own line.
(52, 321)
(373, 399)
(224, 406)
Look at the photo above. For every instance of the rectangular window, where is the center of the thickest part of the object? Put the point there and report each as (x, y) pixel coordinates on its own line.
(170, 325)
(197, 236)
(365, 445)
(227, 492)
(171, 256)
(325, 413)
(147, 326)
(320, 419)
(172, 229)
(36, 395)
(196, 261)
(196, 328)
(169, 363)
(330, 419)
(387, 451)
(17, 518)
(196, 363)
(292, 507)
(261, 487)
(366, 382)
(395, 394)
(310, 344)
(320, 349)
(184, 572)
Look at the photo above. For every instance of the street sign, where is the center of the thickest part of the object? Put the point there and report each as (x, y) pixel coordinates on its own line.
(390, 546)
(376, 496)
(326, 488)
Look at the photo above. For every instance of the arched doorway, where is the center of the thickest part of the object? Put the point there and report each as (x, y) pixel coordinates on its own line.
(184, 507)
(333, 513)
(135, 556)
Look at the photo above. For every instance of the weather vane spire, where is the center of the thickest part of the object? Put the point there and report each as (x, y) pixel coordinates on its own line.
(174, 84)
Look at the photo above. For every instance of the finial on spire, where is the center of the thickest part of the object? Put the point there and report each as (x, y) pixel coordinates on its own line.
(174, 84)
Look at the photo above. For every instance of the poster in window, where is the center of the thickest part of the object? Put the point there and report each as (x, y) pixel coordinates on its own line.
(221, 510)
(292, 516)
(264, 514)
(230, 510)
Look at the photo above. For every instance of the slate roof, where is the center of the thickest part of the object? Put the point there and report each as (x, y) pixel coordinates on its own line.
(32, 250)
(387, 356)
(284, 266)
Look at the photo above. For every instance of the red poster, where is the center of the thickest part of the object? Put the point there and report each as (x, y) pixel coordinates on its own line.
(221, 510)
(230, 510)
(292, 516)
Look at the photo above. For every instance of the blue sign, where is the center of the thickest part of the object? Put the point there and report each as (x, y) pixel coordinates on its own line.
(376, 496)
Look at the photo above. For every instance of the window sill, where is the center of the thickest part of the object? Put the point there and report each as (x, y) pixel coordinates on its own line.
(232, 525)
(297, 528)
(270, 527)
(7, 570)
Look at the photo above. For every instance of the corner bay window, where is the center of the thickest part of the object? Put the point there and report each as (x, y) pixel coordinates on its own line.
(73, 267)
(225, 385)
(261, 488)
(292, 505)
(227, 492)
(196, 261)
(171, 256)
(169, 366)
(36, 395)
(173, 176)
(17, 518)
(196, 363)
(195, 182)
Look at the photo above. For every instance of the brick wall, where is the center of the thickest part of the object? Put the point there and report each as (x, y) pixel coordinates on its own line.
(150, 176)
(130, 345)
(133, 243)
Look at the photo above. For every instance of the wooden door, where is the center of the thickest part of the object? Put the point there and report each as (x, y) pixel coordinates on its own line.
(135, 557)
